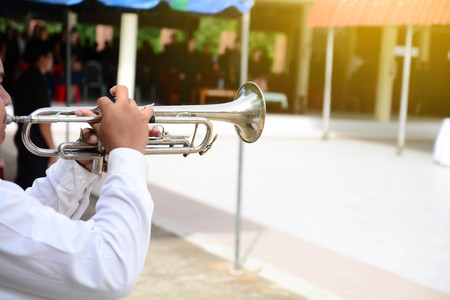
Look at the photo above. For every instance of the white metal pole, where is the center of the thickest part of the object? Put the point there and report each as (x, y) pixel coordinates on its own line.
(245, 28)
(127, 51)
(405, 90)
(68, 67)
(245, 31)
(71, 21)
(304, 61)
(386, 74)
(327, 89)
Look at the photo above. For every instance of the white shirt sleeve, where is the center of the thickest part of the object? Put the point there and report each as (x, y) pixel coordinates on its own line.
(44, 254)
(66, 188)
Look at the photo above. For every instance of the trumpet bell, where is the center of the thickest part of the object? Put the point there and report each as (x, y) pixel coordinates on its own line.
(249, 125)
(247, 112)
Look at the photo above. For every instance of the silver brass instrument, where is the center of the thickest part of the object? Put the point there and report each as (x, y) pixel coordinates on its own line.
(247, 113)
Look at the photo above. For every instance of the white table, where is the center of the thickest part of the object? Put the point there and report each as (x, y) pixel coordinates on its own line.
(276, 97)
(442, 145)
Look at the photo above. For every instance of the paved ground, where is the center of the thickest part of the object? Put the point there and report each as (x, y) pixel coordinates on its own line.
(344, 218)
(176, 269)
(341, 219)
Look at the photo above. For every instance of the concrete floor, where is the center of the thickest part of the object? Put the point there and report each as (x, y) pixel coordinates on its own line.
(346, 218)
(177, 269)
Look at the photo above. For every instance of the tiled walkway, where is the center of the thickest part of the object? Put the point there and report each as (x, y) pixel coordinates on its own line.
(346, 218)
(343, 218)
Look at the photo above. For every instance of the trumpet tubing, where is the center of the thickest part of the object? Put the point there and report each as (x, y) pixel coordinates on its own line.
(246, 112)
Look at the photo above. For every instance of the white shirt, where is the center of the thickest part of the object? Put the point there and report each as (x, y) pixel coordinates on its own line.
(46, 252)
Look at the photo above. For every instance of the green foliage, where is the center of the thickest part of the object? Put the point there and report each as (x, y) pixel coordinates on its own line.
(149, 35)
(4, 22)
(116, 33)
(87, 34)
(209, 31)
(260, 39)
(53, 27)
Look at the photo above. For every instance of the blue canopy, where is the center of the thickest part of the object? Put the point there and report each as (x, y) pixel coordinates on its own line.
(195, 6)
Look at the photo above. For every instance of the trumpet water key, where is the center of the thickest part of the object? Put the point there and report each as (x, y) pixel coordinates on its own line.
(246, 112)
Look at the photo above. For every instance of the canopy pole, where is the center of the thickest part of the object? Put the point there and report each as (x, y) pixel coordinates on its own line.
(71, 21)
(405, 90)
(386, 74)
(126, 72)
(245, 28)
(304, 62)
(68, 68)
(327, 89)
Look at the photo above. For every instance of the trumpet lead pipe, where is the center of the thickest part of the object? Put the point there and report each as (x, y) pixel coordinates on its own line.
(35, 119)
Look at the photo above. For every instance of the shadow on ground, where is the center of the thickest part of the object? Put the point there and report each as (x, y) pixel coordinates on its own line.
(177, 269)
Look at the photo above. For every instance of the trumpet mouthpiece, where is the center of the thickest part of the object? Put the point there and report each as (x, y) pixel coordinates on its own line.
(9, 119)
(12, 119)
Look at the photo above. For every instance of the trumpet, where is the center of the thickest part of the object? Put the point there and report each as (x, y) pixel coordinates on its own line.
(246, 112)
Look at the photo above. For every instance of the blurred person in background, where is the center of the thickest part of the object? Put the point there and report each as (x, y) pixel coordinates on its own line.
(189, 71)
(11, 54)
(259, 64)
(76, 64)
(259, 67)
(30, 94)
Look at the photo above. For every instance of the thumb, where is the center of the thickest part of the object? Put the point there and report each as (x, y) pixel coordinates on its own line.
(148, 112)
(89, 136)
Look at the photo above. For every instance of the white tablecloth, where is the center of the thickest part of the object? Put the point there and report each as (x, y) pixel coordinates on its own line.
(442, 144)
(276, 97)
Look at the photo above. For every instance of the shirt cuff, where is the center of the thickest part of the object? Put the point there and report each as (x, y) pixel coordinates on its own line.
(70, 173)
(129, 161)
